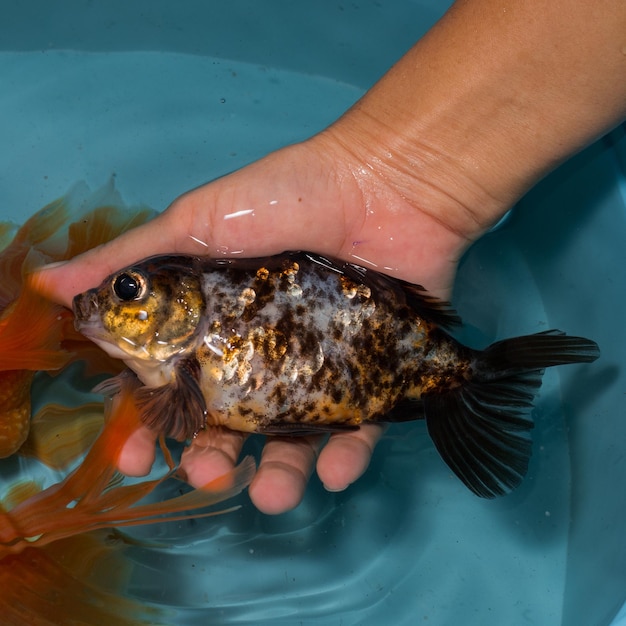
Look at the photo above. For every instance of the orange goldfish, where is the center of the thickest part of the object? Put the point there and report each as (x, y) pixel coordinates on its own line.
(56, 558)
(36, 334)
(74, 581)
(86, 500)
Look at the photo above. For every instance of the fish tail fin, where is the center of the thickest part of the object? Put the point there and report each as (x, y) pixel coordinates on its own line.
(538, 351)
(482, 428)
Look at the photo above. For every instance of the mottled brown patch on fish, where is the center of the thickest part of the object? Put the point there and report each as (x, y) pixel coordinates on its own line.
(271, 343)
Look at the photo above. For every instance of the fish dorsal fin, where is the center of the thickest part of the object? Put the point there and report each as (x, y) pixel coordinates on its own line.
(482, 431)
(385, 287)
(178, 409)
(433, 309)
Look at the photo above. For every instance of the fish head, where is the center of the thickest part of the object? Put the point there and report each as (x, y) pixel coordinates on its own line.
(147, 312)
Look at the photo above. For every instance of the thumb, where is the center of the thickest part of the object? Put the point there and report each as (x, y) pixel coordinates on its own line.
(60, 282)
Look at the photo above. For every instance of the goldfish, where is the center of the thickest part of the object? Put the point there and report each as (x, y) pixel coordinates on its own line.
(60, 556)
(36, 334)
(299, 343)
(79, 580)
(92, 498)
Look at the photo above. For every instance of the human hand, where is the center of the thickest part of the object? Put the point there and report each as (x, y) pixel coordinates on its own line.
(315, 196)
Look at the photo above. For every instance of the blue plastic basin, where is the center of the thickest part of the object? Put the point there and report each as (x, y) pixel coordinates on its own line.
(166, 96)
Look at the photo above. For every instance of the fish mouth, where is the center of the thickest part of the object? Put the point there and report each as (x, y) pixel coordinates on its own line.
(88, 323)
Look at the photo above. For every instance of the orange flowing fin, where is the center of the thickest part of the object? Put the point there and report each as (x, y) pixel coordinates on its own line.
(48, 509)
(19, 492)
(30, 333)
(122, 515)
(121, 421)
(103, 224)
(7, 233)
(97, 216)
(44, 224)
(118, 506)
(41, 226)
(30, 340)
(80, 580)
(47, 231)
(35, 522)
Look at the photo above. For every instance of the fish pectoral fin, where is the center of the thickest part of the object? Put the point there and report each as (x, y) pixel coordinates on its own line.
(178, 409)
(302, 429)
(482, 431)
(113, 385)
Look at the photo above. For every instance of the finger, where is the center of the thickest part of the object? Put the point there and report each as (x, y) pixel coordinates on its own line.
(137, 455)
(284, 471)
(347, 455)
(212, 453)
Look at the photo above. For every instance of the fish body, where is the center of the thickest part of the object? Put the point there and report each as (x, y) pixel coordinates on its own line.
(299, 343)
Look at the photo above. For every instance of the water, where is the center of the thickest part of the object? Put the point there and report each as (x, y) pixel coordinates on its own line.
(162, 123)
(408, 543)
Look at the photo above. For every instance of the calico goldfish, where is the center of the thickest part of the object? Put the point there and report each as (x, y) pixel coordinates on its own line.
(299, 343)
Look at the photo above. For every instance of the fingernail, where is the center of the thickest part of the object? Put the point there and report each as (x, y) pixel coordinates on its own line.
(336, 489)
(51, 266)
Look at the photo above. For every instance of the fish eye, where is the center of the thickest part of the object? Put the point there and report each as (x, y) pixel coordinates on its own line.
(129, 286)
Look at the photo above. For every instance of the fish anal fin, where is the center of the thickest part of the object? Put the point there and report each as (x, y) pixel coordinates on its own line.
(482, 431)
(406, 410)
(177, 409)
